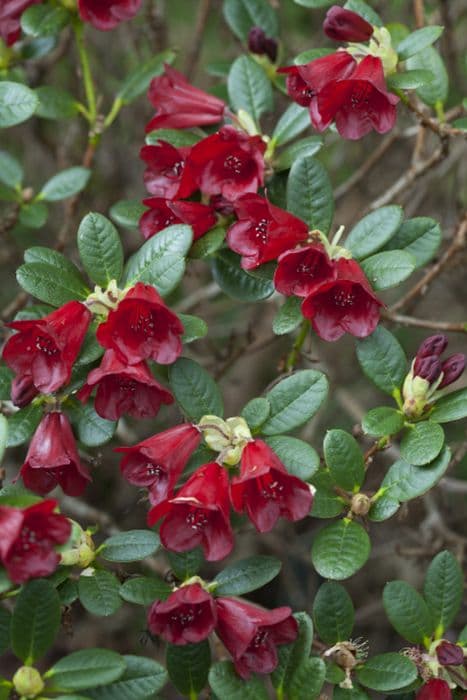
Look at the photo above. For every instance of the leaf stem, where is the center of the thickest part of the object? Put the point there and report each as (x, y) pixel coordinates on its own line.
(89, 88)
(293, 355)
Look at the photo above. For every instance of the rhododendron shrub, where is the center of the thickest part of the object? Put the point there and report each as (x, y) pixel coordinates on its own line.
(179, 443)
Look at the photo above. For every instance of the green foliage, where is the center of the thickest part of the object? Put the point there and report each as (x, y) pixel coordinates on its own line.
(195, 390)
(340, 549)
(99, 592)
(249, 88)
(131, 545)
(246, 575)
(35, 620)
(309, 193)
(188, 666)
(100, 249)
(333, 613)
(294, 400)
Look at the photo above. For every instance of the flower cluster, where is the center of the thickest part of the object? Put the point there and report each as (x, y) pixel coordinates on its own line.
(250, 633)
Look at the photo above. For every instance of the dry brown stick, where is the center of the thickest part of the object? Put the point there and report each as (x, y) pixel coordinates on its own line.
(425, 323)
(197, 43)
(156, 21)
(360, 173)
(419, 12)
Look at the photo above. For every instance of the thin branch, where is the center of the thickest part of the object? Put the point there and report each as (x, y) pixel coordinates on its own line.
(425, 323)
(360, 173)
(197, 43)
(419, 12)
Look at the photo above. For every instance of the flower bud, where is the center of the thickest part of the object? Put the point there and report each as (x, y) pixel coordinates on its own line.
(80, 548)
(23, 390)
(27, 682)
(434, 345)
(261, 44)
(228, 437)
(452, 369)
(344, 25)
(428, 368)
(360, 504)
(449, 654)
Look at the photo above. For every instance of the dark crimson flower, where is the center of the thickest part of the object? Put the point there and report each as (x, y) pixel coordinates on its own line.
(44, 350)
(106, 14)
(52, 459)
(357, 104)
(188, 615)
(229, 163)
(344, 25)
(165, 166)
(305, 81)
(123, 388)
(180, 105)
(452, 368)
(302, 269)
(142, 327)
(450, 654)
(29, 536)
(435, 689)
(198, 515)
(251, 634)
(157, 462)
(23, 390)
(261, 44)
(165, 212)
(221, 205)
(10, 16)
(428, 368)
(265, 489)
(346, 304)
(434, 345)
(263, 231)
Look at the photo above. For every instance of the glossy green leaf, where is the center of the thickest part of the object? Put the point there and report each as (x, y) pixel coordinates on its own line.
(256, 412)
(41, 280)
(48, 256)
(194, 328)
(176, 137)
(355, 693)
(422, 442)
(188, 666)
(364, 10)
(383, 360)
(302, 148)
(294, 400)
(409, 80)
(93, 430)
(208, 244)
(421, 237)
(344, 459)
(443, 590)
(326, 502)
(340, 549)
(314, 3)
(5, 622)
(11, 170)
(246, 575)
(289, 316)
(249, 88)
(6, 377)
(186, 564)
(237, 283)
(55, 103)
(226, 683)
(450, 407)
(242, 15)
(293, 655)
(307, 680)
(418, 40)
(309, 193)
(407, 612)
(22, 424)
(44, 20)
(65, 184)
(138, 80)
(333, 613)
(35, 620)
(374, 231)
(404, 481)
(17, 103)
(383, 508)
(387, 672)
(299, 458)
(438, 87)
(142, 678)
(294, 120)
(388, 269)
(87, 668)
(99, 593)
(144, 590)
(195, 390)
(127, 212)
(100, 249)
(33, 215)
(382, 421)
(131, 545)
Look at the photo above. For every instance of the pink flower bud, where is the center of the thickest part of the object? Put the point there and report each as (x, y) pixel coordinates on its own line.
(344, 25)
(452, 369)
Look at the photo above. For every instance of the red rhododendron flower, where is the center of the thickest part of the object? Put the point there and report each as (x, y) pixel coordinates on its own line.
(142, 327)
(53, 459)
(344, 25)
(10, 16)
(346, 304)
(23, 390)
(180, 105)
(305, 81)
(165, 212)
(29, 536)
(198, 515)
(357, 104)
(302, 269)
(123, 388)
(106, 14)
(157, 462)
(188, 615)
(251, 634)
(265, 489)
(263, 231)
(229, 163)
(435, 689)
(450, 654)
(165, 166)
(44, 350)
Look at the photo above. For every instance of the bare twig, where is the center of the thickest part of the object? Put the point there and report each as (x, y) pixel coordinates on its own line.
(419, 12)
(425, 323)
(197, 43)
(360, 173)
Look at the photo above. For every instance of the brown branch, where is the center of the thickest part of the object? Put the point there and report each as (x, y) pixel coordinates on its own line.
(419, 12)
(425, 323)
(10, 219)
(197, 43)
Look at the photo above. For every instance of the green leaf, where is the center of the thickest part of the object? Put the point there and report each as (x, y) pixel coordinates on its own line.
(314, 3)
(225, 682)
(11, 170)
(294, 120)
(294, 400)
(364, 10)
(99, 593)
(186, 564)
(41, 254)
(418, 40)
(33, 215)
(3, 436)
(65, 184)
(131, 545)
(326, 502)
(422, 443)
(443, 590)
(127, 212)
(437, 89)
(41, 280)
(388, 269)
(17, 103)
(194, 326)
(22, 424)
(421, 237)
(289, 316)
(405, 481)
(188, 666)
(374, 231)
(5, 622)
(333, 613)
(256, 412)
(383, 508)
(249, 88)
(292, 655)
(242, 15)
(246, 575)
(407, 612)
(344, 459)
(355, 693)
(307, 680)
(176, 137)
(87, 668)
(309, 193)
(409, 80)
(463, 635)
(138, 80)
(387, 672)
(144, 590)
(93, 430)
(450, 407)
(6, 377)
(161, 260)
(44, 20)
(35, 620)
(237, 283)
(208, 244)
(310, 55)
(8, 195)
(340, 549)
(55, 103)
(382, 421)
(195, 390)
(299, 458)
(382, 360)
(100, 249)
(299, 149)
(142, 678)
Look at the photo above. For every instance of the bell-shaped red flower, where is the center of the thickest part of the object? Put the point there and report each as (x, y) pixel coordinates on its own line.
(157, 463)
(263, 231)
(434, 689)
(180, 105)
(165, 167)
(188, 615)
(302, 269)
(44, 350)
(29, 537)
(344, 25)
(106, 14)
(10, 19)
(123, 388)
(265, 489)
(229, 163)
(251, 634)
(198, 515)
(305, 81)
(23, 390)
(52, 459)
(165, 212)
(357, 104)
(142, 327)
(346, 304)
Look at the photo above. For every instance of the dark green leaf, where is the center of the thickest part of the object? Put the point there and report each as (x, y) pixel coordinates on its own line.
(127, 212)
(100, 249)
(226, 683)
(186, 564)
(382, 421)
(35, 620)
(208, 244)
(307, 680)
(22, 424)
(44, 20)
(256, 412)
(237, 283)
(249, 88)
(387, 672)
(176, 137)
(421, 237)
(407, 612)
(194, 326)
(418, 40)
(299, 149)
(299, 458)
(355, 693)
(41, 280)
(383, 360)
(422, 442)
(309, 193)
(333, 613)
(65, 184)
(138, 80)
(195, 389)
(55, 103)
(11, 170)
(374, 231)
(314, 3)
(5, 621)
(326, 503)
(344, 459)
(41, 254)
(188, 666)
(383, 508)
(246, 575)
(405, 481)
(3, 436)
(340, 549)
(6, 376)
(142, 678)
(144, 590)
(33, 215)
(86, 669)
(242, 15)
(293, 655)
(438, 87)
(443, 590)
(289, 316)
(294, 120)
(17, 103)
(294, 400)
(388, 269)
(99, 593)
(450, 407)
(131, 545)
(409, 80)
(93, 430)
